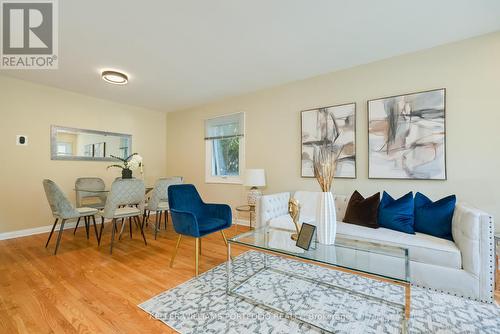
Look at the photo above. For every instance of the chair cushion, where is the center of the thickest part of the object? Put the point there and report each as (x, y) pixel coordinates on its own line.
(397, 214)
(85, 211)
(423, 248)
(362, 211)
(209, 225)
(162, 206)
(434, 218)
(128, 211)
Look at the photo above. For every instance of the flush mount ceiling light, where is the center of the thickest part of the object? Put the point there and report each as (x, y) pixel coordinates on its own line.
(114, 77)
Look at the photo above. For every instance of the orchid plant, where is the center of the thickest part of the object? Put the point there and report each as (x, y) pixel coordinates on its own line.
(132, 162)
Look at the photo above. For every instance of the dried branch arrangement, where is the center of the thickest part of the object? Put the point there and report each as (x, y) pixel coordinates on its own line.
(324, 162)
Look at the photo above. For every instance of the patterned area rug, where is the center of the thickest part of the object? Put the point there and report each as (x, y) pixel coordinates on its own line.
(201, 304)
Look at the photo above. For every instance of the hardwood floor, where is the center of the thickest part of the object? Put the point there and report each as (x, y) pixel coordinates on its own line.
(85, 290)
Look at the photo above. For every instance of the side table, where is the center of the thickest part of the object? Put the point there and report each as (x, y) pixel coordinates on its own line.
(251, 211)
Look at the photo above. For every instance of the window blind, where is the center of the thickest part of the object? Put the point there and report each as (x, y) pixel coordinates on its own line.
(222, 127)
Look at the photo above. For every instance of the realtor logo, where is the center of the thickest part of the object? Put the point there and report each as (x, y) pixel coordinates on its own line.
(29, 34)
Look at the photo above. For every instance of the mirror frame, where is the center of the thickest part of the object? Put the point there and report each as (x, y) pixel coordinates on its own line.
(53, 143)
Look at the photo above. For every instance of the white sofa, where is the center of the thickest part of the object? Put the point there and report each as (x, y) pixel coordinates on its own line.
(464, 267)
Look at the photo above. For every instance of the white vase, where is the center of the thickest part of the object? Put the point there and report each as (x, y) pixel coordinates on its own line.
(326, 219)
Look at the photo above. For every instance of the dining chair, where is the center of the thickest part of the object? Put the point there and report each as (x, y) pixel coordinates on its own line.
(125, 200)
(89, 188)
(63, 210)
(158, 202)
(192, 217)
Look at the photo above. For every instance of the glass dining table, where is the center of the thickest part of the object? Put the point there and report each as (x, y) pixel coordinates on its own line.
(104, 191)
(98, 193)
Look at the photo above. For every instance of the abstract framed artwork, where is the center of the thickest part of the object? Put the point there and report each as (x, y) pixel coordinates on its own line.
(407, 137)
(335, 126)
(100, 150)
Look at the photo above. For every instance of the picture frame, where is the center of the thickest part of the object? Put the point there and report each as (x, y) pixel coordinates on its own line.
(306, 235)
(407, 136)
(100, 150)
(335, 125)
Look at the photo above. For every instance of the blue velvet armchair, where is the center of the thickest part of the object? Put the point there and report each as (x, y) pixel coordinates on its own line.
(192, 217)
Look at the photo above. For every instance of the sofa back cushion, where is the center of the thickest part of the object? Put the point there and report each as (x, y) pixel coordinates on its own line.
(434, 218)
(341, 202)
(397, 214)
(362, 211)
(308, 201)
(270, 206)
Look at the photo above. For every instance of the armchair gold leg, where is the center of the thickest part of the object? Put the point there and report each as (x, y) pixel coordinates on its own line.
(199, 248)
(197, 255)
(175, 250)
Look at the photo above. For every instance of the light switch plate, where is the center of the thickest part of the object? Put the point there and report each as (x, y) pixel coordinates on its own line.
(21, 140)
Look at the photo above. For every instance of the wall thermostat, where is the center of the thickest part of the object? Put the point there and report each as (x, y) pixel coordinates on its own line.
(21, 140)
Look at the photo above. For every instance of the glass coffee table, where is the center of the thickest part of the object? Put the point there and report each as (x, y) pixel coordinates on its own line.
(378, 262)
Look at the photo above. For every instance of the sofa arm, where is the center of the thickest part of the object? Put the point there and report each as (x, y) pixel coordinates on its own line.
(473, 233)
(271, 206)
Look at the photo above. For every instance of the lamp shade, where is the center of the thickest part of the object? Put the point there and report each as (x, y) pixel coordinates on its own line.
(255, 178)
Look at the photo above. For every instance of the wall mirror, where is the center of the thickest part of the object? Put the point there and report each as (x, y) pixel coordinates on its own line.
(80, 144)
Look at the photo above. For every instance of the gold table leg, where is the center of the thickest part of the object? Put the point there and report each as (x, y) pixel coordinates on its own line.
(225, 241)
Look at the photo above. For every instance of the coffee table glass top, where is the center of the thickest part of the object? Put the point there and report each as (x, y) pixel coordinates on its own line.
(386, 261)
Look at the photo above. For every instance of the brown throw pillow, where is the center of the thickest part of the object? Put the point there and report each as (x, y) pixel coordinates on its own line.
(362, 211)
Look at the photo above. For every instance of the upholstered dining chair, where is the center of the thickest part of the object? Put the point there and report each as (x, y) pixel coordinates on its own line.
(63, 210)
(125, 200)
(97, 194)
(158, 202)
(192, 217)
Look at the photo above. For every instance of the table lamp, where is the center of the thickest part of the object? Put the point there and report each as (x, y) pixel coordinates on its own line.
(254, 178)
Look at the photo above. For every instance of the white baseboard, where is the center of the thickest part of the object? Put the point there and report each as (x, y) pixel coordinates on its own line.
(40, 230)
(241, 222)
(47, 228)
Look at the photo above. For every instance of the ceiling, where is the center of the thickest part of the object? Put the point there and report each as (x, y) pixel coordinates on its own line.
(189, 52)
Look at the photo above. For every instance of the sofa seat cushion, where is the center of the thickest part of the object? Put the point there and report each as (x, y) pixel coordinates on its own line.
(423, 248)
(286, 222)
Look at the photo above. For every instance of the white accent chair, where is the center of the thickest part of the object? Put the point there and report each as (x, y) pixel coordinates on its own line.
(97, 194)
(463, 268)
(63, 210)
(158, 202)
(125, 200)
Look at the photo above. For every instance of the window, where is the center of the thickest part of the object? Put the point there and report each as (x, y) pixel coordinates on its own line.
(64, 149)
(224, 142)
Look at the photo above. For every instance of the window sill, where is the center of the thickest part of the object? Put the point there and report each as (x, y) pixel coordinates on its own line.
(224, 180)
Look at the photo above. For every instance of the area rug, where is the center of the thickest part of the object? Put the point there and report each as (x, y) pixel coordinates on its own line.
(201, 304)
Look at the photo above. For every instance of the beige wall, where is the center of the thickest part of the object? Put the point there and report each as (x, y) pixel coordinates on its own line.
(29, 109)
(469, 70)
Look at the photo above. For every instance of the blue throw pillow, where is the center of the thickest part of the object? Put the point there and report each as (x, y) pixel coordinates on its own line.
(397, 214)
(434, 218)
